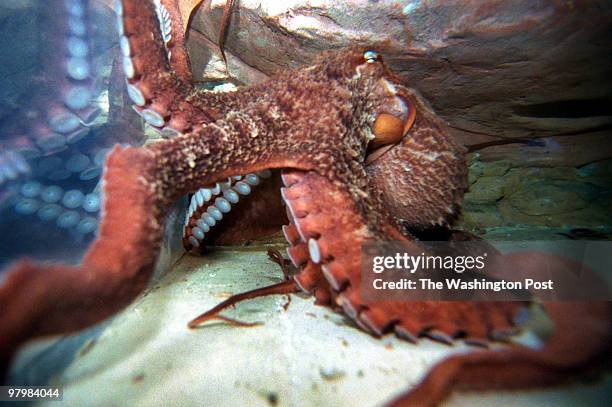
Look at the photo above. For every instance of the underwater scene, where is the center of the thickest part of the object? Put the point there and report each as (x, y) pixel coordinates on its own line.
(305, 203)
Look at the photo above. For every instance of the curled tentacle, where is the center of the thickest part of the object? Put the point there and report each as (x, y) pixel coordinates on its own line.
(319, 216)
(285, 287)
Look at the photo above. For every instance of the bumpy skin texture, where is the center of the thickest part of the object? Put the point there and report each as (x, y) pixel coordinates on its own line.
(433, 172)
(315, 124)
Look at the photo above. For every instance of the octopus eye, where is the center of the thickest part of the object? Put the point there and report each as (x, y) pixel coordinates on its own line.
(370, 56)
(390, 128)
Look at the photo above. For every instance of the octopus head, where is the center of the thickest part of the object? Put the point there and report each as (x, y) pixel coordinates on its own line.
(413, 163)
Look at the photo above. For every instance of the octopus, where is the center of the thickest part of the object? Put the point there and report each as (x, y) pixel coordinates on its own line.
(52, 148)
(350, 153)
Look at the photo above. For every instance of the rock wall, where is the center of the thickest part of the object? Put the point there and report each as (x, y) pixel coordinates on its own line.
(561, 197)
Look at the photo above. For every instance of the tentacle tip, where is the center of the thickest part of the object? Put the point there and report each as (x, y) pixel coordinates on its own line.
(196, 322)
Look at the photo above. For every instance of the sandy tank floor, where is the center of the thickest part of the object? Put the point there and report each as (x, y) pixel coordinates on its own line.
(303, 356)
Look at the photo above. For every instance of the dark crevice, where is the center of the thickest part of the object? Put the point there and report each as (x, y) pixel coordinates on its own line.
(567, 109)
(533, 141)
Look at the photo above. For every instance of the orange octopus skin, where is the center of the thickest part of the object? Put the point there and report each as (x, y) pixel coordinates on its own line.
(314, 123)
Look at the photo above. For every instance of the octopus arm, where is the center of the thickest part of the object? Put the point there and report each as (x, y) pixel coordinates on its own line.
(173, 27)
(579, 345)
(58, 106)
(139, 185)
(325, 216)
(38, 300)
(156, 65)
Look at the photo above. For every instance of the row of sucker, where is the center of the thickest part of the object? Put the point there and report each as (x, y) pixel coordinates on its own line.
(59, 115)
(151, 114)
(54, 145)
(68, 123)
(208, 206)
(67, 208)
(313, 249)
(165, 24)
(55, 157)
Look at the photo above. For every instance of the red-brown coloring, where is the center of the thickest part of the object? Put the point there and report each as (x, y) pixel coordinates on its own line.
(315, 124)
